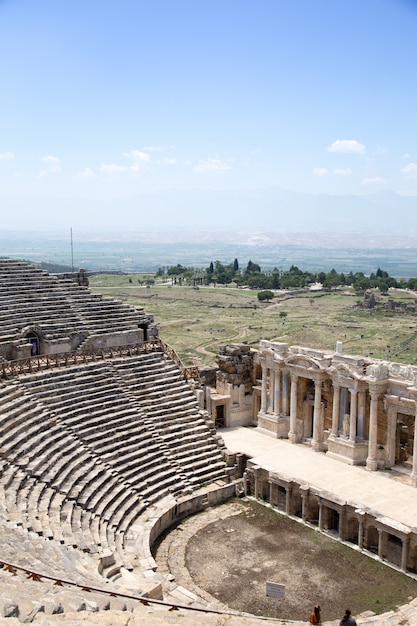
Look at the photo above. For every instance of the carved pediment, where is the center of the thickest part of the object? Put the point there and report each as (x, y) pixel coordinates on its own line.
(301, 360)
(343, 372)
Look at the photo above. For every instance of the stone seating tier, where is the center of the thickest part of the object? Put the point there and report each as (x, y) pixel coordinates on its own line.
(52, 559)
(32, 297)
(85, 454)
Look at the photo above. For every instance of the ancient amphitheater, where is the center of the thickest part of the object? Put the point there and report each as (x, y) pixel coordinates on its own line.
(106, 440)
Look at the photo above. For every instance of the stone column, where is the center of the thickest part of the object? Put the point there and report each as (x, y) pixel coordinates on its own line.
(277, 388)
(414, 470)
(271, 493)
(361, 414)
(342, 516)
(292, 435)
(264, 392)
(256, 474)
(360, 531)
(285, 393)
(304, 503)
(288, 493)
(381, 542)
(246, 483)
(353, 413)
(317, 430)
(336, 411)
(271, 390)
(320, 515)
(404, 554)
(371, 461)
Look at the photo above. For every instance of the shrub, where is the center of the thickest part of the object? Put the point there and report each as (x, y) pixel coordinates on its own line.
(265, 295)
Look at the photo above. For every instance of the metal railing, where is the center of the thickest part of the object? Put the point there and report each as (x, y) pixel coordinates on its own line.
(9, 369)
(40, 577)
(188, 372)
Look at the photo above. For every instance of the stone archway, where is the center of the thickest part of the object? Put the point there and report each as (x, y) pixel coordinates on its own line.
(34, 339)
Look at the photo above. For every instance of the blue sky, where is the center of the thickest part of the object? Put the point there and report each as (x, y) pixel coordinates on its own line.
(124, 114)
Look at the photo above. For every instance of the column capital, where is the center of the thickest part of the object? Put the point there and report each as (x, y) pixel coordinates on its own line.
(377, 388)
(375, 395)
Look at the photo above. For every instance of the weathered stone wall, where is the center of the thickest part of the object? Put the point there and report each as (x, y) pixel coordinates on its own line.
(113, 340)
(235, 362)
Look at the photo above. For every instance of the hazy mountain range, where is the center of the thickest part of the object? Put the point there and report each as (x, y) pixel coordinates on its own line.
(277, 210)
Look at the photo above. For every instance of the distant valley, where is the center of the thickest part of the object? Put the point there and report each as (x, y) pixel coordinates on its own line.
(147, 251)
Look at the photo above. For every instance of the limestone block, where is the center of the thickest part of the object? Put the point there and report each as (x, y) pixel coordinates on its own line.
(89, 605)
(8, 608)
(28, 608)
(52, 606)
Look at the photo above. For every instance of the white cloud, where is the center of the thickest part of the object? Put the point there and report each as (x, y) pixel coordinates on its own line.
(86, 173)
(158, 148)
(7, 156)
(410, 170)
(350, 146)
(137, 155)
(211, 165)
(407, 155)
(139, 158)
(112, 168)
(342, 171)
(320, 171)
(50, 159)
(376, 180)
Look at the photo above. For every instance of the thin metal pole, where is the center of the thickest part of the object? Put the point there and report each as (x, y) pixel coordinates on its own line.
(72, 253)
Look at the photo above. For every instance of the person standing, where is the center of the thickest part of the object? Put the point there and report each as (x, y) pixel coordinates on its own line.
(315, 615)
(347, 619)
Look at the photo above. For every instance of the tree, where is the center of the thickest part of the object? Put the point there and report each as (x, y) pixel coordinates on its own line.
(252, 267)
(265, 295)
(223, 274)
(275, 278)
(259, 281)
(176, 270)
(332, 280)
(361, 283)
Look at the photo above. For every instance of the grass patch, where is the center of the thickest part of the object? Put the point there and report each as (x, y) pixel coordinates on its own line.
(196, 322)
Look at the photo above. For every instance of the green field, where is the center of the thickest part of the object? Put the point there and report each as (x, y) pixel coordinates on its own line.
(196, 321)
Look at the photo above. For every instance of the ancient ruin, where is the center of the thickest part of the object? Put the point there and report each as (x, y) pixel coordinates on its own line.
(102, 443)
(359, 411)
(106, 440)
